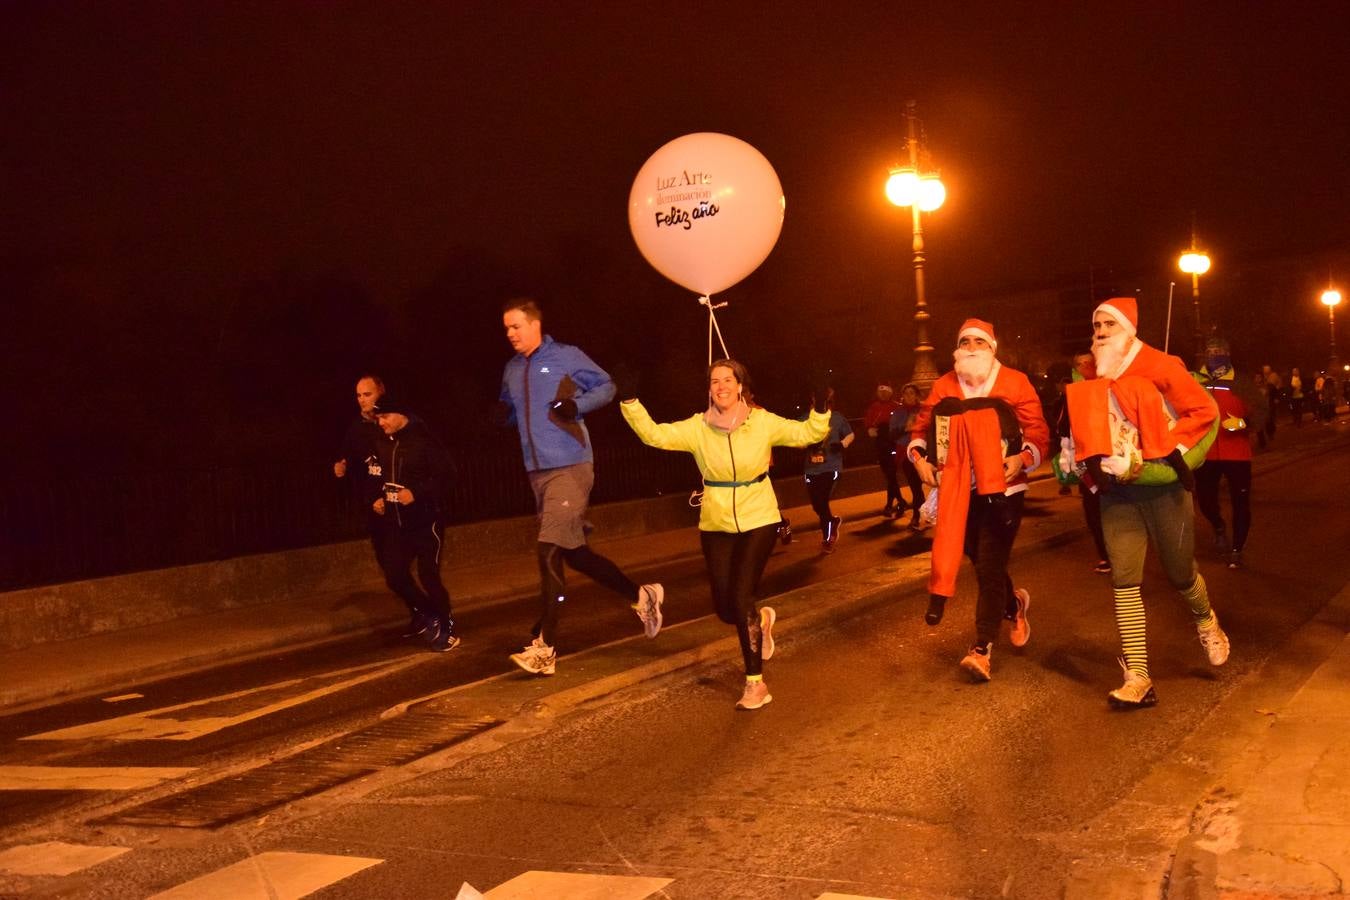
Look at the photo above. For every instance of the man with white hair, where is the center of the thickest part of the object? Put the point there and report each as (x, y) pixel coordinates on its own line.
(1134, 512)
(987, 419)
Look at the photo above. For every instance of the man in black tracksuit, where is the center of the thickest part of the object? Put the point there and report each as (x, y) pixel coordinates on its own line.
(410, 496)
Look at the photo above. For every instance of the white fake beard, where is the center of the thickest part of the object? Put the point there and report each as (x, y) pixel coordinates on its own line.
(973, 367)
(1110, 353)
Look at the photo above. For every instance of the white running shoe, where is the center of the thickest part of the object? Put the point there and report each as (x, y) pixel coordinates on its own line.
(1214, 641)
(1135, 693)
(766, 619)
(756, 694)
(1020, 632)
(648, 608)
(537, 659)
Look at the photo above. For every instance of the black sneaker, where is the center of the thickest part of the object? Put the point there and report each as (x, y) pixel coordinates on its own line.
(445, 639)
(418, 624)
(937, 605)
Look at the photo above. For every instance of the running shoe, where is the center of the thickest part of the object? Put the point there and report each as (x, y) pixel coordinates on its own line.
(537, 659)
(785, 532)
(1020, 632)
(831, 533)
(1103, 567)
(890, 512)
(766, 619)
(976, 662)
(1135, 693)
(1215, 642)
(648, 608)
(416, 625)
(445, 640)
(755, 695)
(1235, 559)
(936, 607)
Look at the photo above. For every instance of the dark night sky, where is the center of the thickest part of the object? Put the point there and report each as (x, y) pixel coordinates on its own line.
(204, 202)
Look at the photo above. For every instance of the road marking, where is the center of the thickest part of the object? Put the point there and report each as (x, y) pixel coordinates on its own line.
(848, 897)
(159, 725)
(55, 858)
(576, 886)
(270, 876)
(84, 778)
(121, 697)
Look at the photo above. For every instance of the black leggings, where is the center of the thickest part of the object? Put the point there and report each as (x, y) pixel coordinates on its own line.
(1239, 474)
(886, 460)
(912, 478)
(735, 564)
(553, 582)
(819, 486)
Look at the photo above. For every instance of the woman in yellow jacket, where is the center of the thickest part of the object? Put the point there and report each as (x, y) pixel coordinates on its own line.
(738, 521)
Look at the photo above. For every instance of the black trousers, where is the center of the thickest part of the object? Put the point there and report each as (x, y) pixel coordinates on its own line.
(1239, 475)
(1092, 513)
(886, 460)
(553, 582)
(912, 479)
(991, 529)
(398, 550)
(820, 487)
(735, 563)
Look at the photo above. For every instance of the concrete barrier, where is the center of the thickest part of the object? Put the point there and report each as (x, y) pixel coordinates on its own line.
(75, 609)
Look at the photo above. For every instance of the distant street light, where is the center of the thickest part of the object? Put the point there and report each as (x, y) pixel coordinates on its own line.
(1331, 298)
(922, 191)
(1195, 262)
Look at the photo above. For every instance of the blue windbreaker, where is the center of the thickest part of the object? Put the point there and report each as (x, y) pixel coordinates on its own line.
(553, 372)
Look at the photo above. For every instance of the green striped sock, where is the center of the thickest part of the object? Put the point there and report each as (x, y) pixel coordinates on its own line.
(1130, 623)
(1197, 599)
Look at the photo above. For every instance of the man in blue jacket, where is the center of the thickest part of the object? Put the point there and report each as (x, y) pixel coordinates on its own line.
(547, 389)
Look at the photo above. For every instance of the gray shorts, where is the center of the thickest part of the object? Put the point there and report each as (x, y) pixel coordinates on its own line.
(561, 497)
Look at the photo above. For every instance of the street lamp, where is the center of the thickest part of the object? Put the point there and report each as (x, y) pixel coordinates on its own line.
(1331, 298)
(1195, 262)
(922, 191)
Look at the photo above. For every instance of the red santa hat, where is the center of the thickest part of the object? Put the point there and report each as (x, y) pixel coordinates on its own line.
(979, 328)
(1125, 310)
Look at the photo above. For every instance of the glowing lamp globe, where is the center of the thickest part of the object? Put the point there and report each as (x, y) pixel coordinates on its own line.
(1331, 297)
(932, 193)
(902, 188)
(1194, 263)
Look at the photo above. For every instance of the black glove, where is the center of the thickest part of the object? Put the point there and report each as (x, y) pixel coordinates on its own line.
(565, 409)
(625, 379)
(820, 387)
(500, 414)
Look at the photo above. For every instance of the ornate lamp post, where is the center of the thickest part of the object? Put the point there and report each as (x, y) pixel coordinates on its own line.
(1195, 262)
(922, 191)
(1331, 298)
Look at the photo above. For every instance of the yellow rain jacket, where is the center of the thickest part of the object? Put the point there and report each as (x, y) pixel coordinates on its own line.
(737, 493)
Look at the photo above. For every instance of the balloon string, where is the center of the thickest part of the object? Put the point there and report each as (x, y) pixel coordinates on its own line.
(714, 327)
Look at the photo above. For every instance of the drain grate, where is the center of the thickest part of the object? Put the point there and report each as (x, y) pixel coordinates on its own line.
(394, 742)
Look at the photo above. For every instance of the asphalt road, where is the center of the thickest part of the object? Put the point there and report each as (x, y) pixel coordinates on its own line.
(879, 769)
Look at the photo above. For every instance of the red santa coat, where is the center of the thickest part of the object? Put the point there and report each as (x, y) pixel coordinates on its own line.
(1190, 404)
(1005, 384)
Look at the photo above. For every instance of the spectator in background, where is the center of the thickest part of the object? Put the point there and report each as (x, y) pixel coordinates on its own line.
(876, 419)
(1296, 397)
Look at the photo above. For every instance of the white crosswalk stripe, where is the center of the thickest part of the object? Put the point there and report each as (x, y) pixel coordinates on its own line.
(85, 778)
(270, 876)
(572, 885)
(55, 858)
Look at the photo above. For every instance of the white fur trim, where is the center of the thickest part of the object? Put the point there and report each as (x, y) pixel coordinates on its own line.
(916, 444)
(967, 392)
(978, 332)
(1121, 319)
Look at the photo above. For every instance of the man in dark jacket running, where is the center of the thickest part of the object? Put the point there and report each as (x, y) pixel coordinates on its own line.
(410, 495)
